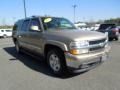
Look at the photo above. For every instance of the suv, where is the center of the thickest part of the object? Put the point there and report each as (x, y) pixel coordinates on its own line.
(5, 33)
(111, 29)
(63, 46)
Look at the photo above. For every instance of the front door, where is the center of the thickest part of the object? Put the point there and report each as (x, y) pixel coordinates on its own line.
(35, 37)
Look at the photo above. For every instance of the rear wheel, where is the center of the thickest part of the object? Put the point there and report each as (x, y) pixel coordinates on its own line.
(56, 61)
(110, 39)
(116, 38)
(17, 46)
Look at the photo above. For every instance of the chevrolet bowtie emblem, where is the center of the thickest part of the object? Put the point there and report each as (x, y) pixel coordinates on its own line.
(101, 44)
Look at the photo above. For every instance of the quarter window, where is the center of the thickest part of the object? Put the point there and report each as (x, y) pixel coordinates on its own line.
(15, 27)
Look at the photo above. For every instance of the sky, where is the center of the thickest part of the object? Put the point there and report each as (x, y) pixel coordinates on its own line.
(86, 10)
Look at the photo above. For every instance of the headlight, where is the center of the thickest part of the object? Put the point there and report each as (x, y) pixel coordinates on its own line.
(106, 33)
(107, 40)
(79, 44)
(80, 47)
(106, 43)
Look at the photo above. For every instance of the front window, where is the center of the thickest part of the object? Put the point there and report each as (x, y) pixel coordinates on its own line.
(2, 30)
(56, 23)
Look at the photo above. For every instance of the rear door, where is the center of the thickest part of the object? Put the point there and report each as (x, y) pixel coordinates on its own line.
(23, 34)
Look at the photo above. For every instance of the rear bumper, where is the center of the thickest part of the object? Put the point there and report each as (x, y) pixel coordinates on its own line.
(86, 61)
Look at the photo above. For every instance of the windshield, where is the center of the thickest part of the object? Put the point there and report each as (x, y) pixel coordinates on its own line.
(56, 23)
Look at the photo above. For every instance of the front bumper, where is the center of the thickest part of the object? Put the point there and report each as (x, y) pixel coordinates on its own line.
(86, 61)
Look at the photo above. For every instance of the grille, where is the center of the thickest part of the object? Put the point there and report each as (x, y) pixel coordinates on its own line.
(97, 41)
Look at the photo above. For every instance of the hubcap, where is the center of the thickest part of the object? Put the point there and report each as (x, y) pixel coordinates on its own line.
(54, 62)
(4, 36)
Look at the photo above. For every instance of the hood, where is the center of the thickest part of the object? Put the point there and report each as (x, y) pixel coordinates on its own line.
(76, 34)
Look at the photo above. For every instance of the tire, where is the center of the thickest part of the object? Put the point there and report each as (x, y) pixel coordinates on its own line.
(110, 39)
(4, 36)
(56, 61)
(116, 38)
(17, 46)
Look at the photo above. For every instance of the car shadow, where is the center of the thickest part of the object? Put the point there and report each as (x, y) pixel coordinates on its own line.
(35, 64)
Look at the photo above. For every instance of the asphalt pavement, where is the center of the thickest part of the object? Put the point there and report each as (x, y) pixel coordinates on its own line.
(23, 72)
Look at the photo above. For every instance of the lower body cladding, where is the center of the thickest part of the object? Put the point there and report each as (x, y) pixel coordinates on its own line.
(85, 62)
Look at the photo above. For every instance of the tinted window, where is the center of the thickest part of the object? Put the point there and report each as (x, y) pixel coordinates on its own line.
(107, 26)
(2, 30)
(25, 25)
(8, 30)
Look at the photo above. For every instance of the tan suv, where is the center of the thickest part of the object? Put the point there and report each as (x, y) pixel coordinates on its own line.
(63, 46)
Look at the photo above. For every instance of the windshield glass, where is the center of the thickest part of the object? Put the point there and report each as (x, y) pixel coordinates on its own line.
(56, 23)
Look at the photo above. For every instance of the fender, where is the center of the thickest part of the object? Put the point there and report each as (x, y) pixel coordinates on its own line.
(59, 44)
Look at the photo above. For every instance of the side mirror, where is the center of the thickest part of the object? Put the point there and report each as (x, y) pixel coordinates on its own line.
(34, 28)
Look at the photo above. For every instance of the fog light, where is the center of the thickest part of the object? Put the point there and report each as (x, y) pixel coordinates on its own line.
(78, 51)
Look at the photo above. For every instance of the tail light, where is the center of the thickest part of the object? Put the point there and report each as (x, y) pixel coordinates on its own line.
(115, 30)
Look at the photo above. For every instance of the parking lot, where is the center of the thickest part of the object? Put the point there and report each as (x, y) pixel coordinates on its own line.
(22, 72)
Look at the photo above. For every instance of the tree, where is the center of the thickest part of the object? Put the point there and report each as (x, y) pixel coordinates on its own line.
(115, 21)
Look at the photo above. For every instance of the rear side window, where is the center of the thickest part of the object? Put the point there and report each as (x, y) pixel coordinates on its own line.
(8, 30)
(25, 25)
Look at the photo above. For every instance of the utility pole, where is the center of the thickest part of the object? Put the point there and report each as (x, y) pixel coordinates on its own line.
(24, 2)
(74, 12)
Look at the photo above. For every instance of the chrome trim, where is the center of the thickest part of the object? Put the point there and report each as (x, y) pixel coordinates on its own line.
(75, 61)
(101, 44)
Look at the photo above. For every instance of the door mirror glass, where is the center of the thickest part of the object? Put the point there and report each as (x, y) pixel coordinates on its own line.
(35, 28)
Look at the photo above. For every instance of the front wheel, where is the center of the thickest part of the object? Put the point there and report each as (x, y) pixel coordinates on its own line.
(56, 61)
(4, 36)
